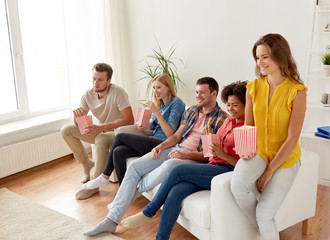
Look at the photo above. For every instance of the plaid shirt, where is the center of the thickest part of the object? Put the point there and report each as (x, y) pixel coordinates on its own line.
(214, 119)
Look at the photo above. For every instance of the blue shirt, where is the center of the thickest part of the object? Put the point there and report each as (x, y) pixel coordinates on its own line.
(172, 112)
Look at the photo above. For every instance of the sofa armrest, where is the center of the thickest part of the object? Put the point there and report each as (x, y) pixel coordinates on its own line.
(227, 219)
(129, 129)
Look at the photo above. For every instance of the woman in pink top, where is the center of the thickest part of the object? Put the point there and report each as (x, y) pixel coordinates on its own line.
(186, 179)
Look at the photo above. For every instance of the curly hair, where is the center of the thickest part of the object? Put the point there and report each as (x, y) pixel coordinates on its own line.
(237, 89)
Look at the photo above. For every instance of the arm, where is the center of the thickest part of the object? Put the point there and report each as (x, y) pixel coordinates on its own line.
(249, 119)
(196, 156)
(127, 119)
(294, 130)
(218, 151)
(169, 142)
(167, 129)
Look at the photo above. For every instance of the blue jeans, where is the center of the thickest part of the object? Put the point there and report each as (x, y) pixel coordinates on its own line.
(261, 208)
(136, 172)
(182, 181)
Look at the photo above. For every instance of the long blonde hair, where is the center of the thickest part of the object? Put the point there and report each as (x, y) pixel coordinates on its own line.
(167, 81)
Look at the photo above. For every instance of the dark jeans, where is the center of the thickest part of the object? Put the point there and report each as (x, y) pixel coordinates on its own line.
(182, 181)
(124, 146)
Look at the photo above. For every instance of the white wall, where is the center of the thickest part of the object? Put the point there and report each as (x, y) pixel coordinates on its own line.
(213, 38)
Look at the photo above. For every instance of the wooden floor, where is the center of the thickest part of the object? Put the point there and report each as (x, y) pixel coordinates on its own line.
(54, 185)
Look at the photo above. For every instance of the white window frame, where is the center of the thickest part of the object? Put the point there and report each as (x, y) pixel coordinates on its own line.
(16, 47)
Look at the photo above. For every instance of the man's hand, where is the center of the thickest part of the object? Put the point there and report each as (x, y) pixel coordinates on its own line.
(155, 152)
(177, 154)
(79, 112)
(141, 129)
(93, 129)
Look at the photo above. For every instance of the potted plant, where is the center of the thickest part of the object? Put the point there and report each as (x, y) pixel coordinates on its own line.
(326, 63)
(161, 63)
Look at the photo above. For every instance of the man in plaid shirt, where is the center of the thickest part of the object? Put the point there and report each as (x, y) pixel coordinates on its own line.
(184, 146)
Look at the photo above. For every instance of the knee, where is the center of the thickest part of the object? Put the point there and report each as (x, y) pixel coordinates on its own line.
(104, 140)
(239, 186)
(169, 164)
(67, 129)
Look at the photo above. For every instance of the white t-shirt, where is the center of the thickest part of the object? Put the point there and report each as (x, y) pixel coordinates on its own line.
(106, 109)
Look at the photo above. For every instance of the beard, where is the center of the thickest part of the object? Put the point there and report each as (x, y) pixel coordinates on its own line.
(101, 90)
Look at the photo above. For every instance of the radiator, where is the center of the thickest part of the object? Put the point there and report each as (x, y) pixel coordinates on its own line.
(31, 153)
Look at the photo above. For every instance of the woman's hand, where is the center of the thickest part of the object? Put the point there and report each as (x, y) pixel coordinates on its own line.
(151, 106)
(155, 152)
(264, 179)
(217, 150)
(248, 156)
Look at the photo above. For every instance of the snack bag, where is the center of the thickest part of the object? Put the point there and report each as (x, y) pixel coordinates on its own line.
(207, 140)
(84, 121)
(143, 117)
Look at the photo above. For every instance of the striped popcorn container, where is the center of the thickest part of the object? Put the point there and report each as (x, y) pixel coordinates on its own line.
(245, 138)
(207, 140)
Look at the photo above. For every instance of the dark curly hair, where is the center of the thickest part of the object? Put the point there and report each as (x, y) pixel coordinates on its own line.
(237, 89)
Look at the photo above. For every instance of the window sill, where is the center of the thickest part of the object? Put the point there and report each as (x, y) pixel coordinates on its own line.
(21, 130)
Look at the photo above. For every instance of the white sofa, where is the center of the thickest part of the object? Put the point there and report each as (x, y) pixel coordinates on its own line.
(215, 215)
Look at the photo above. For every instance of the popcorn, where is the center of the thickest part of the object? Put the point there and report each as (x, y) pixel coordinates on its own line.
(84, 121)
(207, 140)
(143, 117)
(245, 138)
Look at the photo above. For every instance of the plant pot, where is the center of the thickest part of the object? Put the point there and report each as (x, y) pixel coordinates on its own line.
(326, 69)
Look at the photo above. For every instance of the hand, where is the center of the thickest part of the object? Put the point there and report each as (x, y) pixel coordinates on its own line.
(155, 152)
(177, 154)
(79, 112)
(206, 130)
(93, 129)
(248, 156)
(264, 179)
(151, 106)
(141, 129)
(217, 150)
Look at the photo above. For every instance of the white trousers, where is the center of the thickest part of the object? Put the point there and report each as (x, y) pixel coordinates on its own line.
(261, 208)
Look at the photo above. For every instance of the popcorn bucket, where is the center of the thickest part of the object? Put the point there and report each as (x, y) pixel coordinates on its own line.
(207, 140)
(143, 117)
(84, 121)
(245, 138)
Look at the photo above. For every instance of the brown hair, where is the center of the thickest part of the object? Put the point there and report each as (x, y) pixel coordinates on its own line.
(103, 67)
(213, 85)
(237, 89)
(279, 52)
(167, 81)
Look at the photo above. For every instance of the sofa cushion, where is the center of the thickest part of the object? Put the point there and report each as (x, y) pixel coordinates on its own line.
(197, 208)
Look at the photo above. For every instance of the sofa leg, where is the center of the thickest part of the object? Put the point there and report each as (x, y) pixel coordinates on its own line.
(307, 226)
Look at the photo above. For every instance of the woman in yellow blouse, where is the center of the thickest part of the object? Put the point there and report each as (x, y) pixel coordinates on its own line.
(276, 105)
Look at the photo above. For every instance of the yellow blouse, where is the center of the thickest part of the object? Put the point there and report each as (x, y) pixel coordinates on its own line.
(272, 121)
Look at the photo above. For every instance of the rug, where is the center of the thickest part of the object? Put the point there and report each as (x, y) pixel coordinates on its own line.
(21, 218)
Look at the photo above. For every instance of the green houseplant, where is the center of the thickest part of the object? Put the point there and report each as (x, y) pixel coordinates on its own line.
(326, 63)
(159, 62)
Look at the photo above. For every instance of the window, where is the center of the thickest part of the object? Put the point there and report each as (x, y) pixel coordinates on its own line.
(33, 57)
